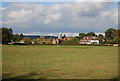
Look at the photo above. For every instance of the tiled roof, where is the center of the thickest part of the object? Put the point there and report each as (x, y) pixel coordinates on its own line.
(90, 38)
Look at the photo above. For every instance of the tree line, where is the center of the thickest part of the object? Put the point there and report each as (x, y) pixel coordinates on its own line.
(8, 36)
(112, 36)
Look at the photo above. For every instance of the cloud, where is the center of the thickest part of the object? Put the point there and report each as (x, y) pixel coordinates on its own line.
(60, 17)
(52, 34)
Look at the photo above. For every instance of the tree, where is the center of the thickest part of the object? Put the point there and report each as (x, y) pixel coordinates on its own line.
(101, 38)
(91, 34)
(7, 35)
(81, 35)
(21, 36)
(16, 37)
(116, 40)
(117, 33)
(110, 33)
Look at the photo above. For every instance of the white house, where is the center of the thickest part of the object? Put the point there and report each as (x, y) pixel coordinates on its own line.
(89, 40)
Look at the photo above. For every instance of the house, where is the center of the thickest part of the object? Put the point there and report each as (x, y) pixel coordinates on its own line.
(89, 40)
(59, 40)
(56, 41)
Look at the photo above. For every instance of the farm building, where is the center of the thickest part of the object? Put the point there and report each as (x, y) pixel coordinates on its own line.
(89, 40)
(56, 41)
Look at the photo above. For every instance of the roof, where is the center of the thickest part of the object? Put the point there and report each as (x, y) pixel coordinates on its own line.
(90, 38)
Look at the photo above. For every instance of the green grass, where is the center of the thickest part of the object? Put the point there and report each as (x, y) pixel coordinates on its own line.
(60, 62)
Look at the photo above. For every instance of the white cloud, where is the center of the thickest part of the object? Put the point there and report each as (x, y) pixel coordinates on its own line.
(60, 17)
(57, 34)
(52, 34)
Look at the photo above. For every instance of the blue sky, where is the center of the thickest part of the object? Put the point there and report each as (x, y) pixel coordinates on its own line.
(55, 17)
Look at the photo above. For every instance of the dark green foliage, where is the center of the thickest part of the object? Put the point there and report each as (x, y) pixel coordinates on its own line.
(101, 39)
(77, 37)
(110, 33)
(91, 34)
(101, 36)
(7, 35)
(21, 36)
(116, 40)
(81, 35)
(16, 37)
(70, 42)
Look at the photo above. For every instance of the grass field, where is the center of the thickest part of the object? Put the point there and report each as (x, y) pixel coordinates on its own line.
(60, 62)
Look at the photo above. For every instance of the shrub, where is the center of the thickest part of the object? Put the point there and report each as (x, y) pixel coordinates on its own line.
(70, 42)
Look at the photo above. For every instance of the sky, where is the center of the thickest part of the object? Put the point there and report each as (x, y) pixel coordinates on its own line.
(59, 17)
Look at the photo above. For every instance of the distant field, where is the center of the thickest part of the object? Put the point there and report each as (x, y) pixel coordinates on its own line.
(60, 62)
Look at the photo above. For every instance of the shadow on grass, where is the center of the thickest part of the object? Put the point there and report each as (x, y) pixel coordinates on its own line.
(8, 77)
(26, 77)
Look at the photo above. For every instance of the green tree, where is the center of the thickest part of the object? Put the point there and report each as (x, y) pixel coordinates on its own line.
(21, 36)
(81, 35)
(16, 37)
(116, 40)
(101, 38)
(110, 33)
(7, 35)
(91, 34)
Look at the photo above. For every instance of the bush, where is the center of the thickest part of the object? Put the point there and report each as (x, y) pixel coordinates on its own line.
(70, 42)
(28, 41)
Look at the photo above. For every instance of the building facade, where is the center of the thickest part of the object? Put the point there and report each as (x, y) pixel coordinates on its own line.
(89, 40)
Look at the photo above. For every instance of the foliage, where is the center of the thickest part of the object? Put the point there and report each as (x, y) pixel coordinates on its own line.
(116, 40)
(110, 33)
(48, 41)
(101, 38)
(91, 34)
(28, 41)
(16, 37)
(21, 36)
(42, 38)
(81, 35)
(75, 41)
(77, 37)
(7, 35)
(111, 36)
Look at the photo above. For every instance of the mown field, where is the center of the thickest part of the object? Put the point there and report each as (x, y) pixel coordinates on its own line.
(60, 62)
